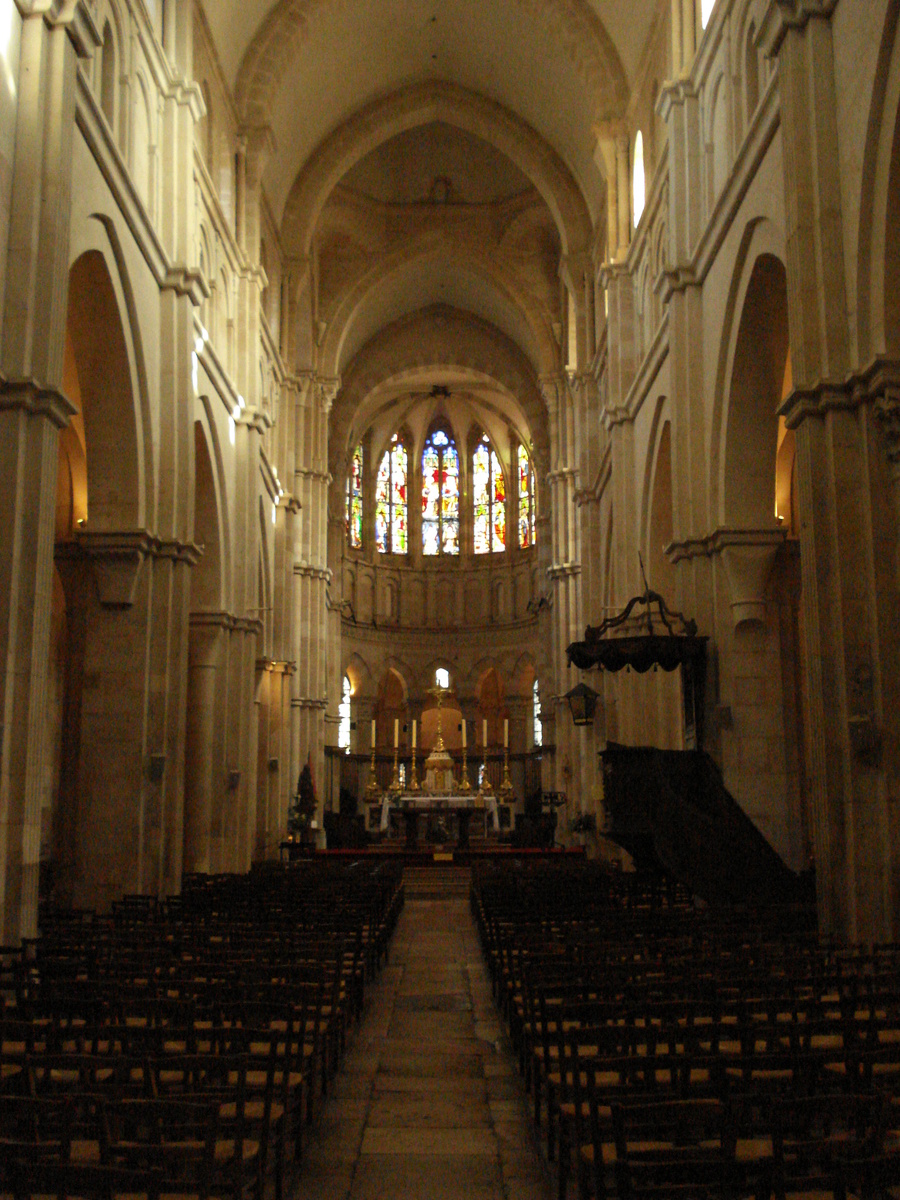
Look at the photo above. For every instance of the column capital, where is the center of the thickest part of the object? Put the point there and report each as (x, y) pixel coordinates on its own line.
(74, 15)
(31, 397)
(783, 15)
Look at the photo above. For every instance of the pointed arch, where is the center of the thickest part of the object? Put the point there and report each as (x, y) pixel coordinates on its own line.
(440, 492)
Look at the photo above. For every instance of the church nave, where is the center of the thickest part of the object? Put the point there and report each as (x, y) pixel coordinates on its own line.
(428, 1104)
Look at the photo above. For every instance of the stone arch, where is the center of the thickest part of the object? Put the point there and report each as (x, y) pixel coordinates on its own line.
(418, 253)
(760, 238)
(208, 575)
(105, 370)
(755, 393)
(391, 704)
(422, 104)
(360, 675)
(575, 25)
(657, 505)
(878, 276)
(445, 336)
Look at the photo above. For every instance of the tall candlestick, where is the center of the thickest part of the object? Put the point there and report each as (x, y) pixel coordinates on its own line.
(506, 733)
(464, 735)
(396, 732)
(373, 733)
(484, 733)
(414, 735)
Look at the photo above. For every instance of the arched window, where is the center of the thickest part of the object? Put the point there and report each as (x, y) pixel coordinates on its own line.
(344, 714)
(489, 498)
(355, 500)
(638, 183)
(442, 677)
(526, 500)
(440, 495)
(391, 525)
(536, 706)
(706, 7)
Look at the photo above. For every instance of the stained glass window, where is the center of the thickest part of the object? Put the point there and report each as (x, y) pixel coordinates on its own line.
(489, 495)
(440, 495)
(391, 517)
(344, 714)
(538, 724)
(526, 500)
(355, 499)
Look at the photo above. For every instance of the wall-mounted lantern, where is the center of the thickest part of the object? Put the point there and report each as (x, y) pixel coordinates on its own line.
(583, 703)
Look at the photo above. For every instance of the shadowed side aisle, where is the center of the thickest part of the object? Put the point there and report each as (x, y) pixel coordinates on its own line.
(428, 1105)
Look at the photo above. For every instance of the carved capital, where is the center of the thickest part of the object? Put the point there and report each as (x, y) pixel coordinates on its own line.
(29, 396)
(783, 15)
(73, 15)
(116, 559)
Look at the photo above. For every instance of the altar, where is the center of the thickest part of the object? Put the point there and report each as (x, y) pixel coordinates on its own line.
(444, 805)
(441, 818)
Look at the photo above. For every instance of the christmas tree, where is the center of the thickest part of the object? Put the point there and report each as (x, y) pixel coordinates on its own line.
(303, 806)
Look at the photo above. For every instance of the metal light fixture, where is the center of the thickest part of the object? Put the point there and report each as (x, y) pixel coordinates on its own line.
(583, 703)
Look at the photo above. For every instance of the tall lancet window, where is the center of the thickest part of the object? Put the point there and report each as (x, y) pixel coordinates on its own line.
(536, 710)
(355, 500)
(489, 497)
(440, 495)
(344, 714)
(526, 499)
(391, 516)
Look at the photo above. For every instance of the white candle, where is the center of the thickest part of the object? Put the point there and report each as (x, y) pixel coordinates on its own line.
(396, 732)
(414, 736)
(484, 733)
(506, 733)
(464, 734)
(373, 733)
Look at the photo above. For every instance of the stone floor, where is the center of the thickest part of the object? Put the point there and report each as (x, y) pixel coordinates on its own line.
(429, 1104)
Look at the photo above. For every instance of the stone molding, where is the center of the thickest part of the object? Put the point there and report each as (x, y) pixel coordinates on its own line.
(879, 381)
(781, 16)
(316, 476)
(30, 396)
(74, 15)
(308, 702)
(710, 544)
(226, 621)
(94, 128)
(748, 556)
(276, 666)
(116, 558)
(563, 570)
(309, 571)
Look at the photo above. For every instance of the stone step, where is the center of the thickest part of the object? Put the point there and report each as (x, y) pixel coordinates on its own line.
(436, 882)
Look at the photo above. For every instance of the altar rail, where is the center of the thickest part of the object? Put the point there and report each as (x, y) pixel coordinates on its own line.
(351, 771)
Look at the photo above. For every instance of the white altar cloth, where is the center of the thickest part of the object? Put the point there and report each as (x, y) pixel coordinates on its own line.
(420, 802)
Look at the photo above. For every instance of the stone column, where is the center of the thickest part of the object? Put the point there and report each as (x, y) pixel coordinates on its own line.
(843, 464)
(206, 653)
(563, 571)
(32, 411)
(311, 574)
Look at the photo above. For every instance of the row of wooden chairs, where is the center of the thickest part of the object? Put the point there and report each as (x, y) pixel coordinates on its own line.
(151, 1052)
(666, 1050)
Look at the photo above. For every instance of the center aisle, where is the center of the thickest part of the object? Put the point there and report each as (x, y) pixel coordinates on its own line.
(428, 1105)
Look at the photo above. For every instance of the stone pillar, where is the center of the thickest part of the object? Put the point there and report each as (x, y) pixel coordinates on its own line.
(849, 583)
(563, 571)
(32, 411)
(206, 655)
(312, 576)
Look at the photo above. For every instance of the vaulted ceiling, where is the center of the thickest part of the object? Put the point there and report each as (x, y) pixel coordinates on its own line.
(434, 153)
